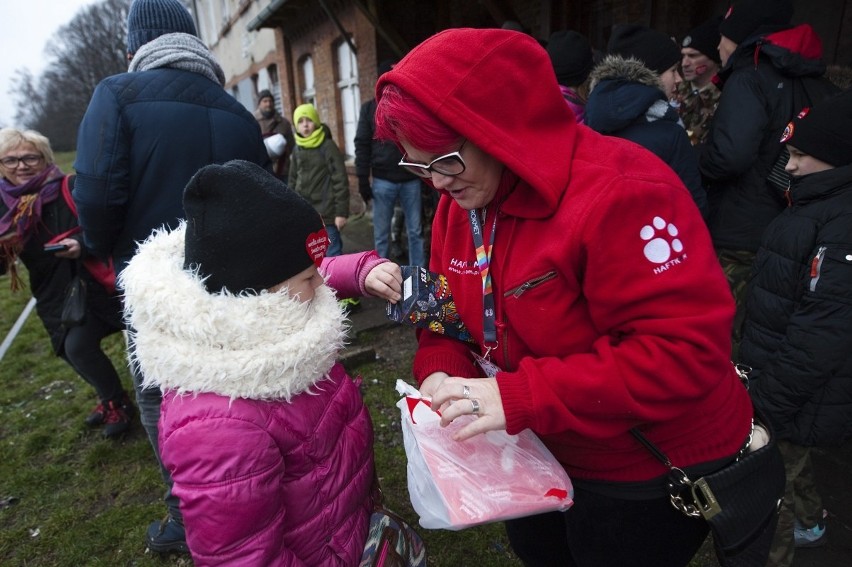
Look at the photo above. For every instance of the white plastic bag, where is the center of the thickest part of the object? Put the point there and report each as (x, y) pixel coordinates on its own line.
(488, 478)
(275, 145)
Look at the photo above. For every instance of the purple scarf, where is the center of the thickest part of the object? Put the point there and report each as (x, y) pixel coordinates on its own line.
(26, 201)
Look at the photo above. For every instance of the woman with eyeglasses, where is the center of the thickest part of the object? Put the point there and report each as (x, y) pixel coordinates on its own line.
(585, 273)
(38, 227)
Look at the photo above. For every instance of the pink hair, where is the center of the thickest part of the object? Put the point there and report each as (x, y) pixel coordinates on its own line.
(399, 116)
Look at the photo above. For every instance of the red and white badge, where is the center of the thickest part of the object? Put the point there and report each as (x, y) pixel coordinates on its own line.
(316, 245)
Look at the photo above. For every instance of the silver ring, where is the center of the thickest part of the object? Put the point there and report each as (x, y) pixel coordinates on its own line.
(466, 392)
(474, 404)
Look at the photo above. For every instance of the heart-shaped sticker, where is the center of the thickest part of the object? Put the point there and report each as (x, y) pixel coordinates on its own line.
(316, 245)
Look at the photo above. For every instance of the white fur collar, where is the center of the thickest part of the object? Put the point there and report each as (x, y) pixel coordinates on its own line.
(265, 346)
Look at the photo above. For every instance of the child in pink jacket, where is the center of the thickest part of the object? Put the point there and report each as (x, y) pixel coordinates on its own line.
(266, 437)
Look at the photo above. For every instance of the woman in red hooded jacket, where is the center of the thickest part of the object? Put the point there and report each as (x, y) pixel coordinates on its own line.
(585, 273)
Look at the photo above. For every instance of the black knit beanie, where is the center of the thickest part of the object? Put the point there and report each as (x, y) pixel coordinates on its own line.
(149, 19)
(704, 38)
(745, 17)
(571, 55)
(654, 48)
(823, 131)
(265, 93)
(246, 230)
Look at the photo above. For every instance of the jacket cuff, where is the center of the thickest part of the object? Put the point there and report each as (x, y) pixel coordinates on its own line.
(370, 261)
(450, 362)
(516, 396)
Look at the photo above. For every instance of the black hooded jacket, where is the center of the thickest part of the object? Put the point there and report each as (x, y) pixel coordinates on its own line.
(798, 329)
(758, 100)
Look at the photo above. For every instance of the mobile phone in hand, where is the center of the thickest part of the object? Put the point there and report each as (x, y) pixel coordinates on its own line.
(55, 247)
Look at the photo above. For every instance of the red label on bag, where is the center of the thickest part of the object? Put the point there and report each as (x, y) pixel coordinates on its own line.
(558, 493)
(414, 402)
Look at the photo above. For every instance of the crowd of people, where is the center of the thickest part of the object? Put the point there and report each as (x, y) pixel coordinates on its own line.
(613, 239)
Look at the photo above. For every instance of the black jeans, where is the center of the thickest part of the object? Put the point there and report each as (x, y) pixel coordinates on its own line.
(82, 350)
(602, 531)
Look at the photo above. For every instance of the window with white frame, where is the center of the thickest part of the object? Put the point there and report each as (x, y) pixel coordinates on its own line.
(212, 24)
(274, 86)
(226, 11)
(309, 93)
(350, 97)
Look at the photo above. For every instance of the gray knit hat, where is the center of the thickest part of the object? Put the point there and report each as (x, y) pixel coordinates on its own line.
(149, 19)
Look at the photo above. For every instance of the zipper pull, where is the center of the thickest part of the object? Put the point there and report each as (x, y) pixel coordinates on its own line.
(521, 290)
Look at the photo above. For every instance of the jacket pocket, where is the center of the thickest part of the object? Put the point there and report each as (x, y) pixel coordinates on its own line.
(531, 283)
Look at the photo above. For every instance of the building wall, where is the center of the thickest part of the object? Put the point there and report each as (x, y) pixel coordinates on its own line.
(320, 43)
(243, 55)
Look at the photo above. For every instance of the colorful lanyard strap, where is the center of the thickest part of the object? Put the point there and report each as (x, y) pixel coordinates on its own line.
(483, 262)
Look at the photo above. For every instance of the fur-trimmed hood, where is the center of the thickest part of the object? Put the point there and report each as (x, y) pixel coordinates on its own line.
(623, 91)
(630, 70)
(264, 346)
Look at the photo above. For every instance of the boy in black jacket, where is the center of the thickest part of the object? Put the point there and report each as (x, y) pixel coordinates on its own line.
(797, 333)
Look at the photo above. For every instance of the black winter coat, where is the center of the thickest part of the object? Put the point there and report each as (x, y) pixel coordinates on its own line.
(756, 104)
(143, 137)
(798, 328)
(627, 101)
(381, 159)
(49, 276)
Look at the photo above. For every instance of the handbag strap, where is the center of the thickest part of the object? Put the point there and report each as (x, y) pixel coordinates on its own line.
(662, 457)
(680, 484)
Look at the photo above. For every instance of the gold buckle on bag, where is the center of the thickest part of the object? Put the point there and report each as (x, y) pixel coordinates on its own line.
(704, 499)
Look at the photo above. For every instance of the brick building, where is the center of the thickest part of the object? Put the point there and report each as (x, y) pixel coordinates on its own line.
(326, 51)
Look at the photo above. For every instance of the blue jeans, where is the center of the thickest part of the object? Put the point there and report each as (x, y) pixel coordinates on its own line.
(385, 195)
(335, 245)
(148, 400)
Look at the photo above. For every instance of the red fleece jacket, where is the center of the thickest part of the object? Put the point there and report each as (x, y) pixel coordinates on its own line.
(611, 307)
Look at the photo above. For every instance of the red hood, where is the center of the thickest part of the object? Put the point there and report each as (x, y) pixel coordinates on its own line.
(801, 39)
(496, 88)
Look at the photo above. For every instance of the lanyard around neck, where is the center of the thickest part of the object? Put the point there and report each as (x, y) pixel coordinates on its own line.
(483, 263)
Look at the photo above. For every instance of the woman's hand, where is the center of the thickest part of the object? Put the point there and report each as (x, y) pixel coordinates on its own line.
(469, 396)
(339, 222)
(73, 251)
(385, 281)
(431, 383)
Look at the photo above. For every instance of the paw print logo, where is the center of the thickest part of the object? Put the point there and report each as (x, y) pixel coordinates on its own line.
(661, 237)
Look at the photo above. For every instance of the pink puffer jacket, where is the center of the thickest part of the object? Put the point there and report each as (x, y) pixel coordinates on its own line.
(271, 483)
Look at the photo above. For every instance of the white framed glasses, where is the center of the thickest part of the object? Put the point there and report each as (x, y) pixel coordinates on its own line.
(450, 164)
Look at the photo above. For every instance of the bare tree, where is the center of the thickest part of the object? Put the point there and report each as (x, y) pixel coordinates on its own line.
(89, 48)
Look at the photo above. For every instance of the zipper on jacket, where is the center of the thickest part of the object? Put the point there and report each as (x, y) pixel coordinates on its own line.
(529, 284)
(816, 265)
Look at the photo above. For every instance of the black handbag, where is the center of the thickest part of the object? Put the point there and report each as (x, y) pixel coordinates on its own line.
(74, 306)
(740, 502)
